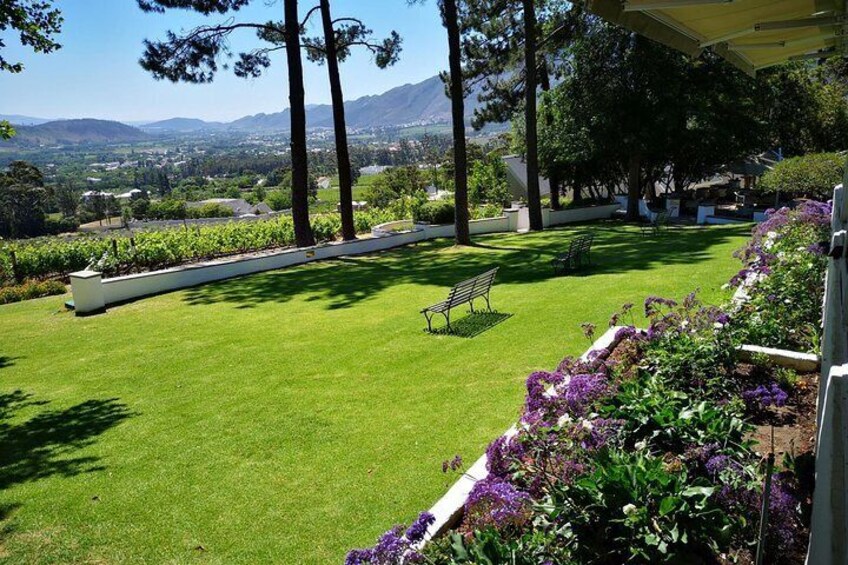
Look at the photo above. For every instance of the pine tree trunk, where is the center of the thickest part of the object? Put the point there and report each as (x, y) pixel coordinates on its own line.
(300, 190)
(342, 153)
(534, 199)
(634, 191)
(451, 20)
(553, 177)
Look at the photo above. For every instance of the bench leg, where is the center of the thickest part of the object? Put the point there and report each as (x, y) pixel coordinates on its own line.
(429, 321)
(447, 319)
(471, 303)
(488, 304)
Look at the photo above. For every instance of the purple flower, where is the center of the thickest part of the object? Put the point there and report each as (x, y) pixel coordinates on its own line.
(588, 330)
(764, 396)
(418, 529)
(502, 453)
(582, 390)
(652, 304)
(497, 503)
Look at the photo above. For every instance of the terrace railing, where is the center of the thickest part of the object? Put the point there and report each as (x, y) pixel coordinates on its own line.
(829, 529)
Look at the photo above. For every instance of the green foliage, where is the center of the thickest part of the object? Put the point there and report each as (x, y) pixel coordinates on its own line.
(36, 23)
(210, 210)
(23, 199)
(168, 209)
(811, 176)
(394, 183)
(635, 508)
(279, 200)
(435, 212)
(487, 181)
(6, 130)
(30, 290)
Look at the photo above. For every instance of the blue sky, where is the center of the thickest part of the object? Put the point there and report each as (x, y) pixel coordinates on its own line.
(96, 73)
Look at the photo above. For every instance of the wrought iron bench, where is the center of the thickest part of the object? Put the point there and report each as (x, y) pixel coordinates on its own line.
(657, 224)
(579, 252)
(462, 293)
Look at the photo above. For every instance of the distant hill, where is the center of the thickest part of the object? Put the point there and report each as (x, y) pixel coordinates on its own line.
(410, 104)
(68, 132)
(180, 125)
(407, 105)
(18, 120)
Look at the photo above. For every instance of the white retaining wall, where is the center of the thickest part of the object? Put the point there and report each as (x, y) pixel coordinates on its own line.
(829, 529)
(575, 215)
(92, 293)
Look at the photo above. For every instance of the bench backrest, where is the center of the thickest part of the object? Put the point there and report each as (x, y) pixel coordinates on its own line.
(472, 288)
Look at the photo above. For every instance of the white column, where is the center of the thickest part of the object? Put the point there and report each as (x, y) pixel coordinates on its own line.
(512, 217)
(546, 217)
(87, 288)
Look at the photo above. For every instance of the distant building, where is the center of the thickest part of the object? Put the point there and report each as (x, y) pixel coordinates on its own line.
(323, 182)
(94, 194)
(516, 172)
(131, 195)
(239, 206)
(372, 170)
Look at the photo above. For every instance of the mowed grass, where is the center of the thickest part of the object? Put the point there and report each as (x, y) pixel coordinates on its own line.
(291, 415)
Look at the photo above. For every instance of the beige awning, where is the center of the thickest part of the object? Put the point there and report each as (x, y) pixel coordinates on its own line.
(751, 34)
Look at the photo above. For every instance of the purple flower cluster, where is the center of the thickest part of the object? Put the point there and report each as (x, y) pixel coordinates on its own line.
(653, 304)
(765, 396)
(497, 503)
(583, 390)
(502, 454)
(394, 547)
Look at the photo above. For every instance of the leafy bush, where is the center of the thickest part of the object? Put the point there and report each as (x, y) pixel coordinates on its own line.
(62, 225)
(811, 176)
(279, 200)
(168, 209)
(30, 290)
(784, 271)
(436, 212)
(210, 210)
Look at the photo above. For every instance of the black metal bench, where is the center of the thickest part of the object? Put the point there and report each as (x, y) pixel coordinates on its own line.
(579, 252)
(462, 293)
(657, 224)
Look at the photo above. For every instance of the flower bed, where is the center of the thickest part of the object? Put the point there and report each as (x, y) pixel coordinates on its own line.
(783, 279)
(642, 454)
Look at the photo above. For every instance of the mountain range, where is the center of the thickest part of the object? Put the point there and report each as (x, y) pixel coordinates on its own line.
(423, 103)
(410, 104)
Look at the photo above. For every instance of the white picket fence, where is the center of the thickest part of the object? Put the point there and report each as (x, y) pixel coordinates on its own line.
(829, 530)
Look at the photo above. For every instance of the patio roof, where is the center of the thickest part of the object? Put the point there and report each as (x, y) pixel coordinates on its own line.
(751, 34)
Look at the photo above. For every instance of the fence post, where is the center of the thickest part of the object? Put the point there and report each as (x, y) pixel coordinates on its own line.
(87, 288)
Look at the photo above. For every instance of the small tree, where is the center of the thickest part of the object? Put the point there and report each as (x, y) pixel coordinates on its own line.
(22, 200)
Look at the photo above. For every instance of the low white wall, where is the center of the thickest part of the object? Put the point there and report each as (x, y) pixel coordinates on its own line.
(93, 294)
(120, 289)
(587, 214)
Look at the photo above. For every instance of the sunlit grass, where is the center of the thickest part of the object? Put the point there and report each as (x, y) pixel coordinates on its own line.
(291, 415)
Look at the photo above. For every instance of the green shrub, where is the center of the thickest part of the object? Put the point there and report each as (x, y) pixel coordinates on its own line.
(436, 212)
(811, 176)
(62, 225)
(29, 290)
(168, 209)
(210, 210)
(279, 200)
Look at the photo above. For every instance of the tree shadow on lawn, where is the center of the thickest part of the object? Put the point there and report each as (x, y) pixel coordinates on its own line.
(43, 445)
(523, 259)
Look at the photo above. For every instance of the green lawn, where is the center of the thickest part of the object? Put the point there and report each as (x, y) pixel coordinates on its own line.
(291, 415)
